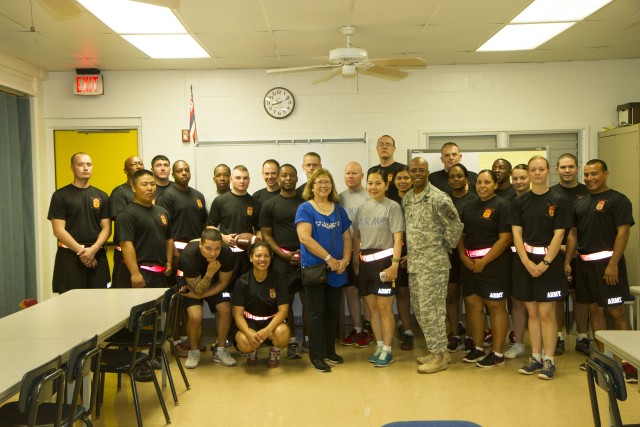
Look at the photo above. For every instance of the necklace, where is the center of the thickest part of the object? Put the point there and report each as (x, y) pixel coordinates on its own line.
(326, 210)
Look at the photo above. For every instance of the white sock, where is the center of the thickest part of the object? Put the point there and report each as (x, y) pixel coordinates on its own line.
(386, 348)
(358, 329)
(292, 339)
(559, 335)
(582, 336)
(550, 358)
(380, 344)
(498, 354)
(408, 332)
(537, 356)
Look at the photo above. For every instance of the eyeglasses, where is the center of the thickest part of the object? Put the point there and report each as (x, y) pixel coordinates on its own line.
(385, 145)
(322, 183)
(421, 170)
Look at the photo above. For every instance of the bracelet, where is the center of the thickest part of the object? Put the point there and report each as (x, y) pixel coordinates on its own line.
(395, 259)
(327, 258)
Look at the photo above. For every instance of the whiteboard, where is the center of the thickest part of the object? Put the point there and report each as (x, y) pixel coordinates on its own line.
(334, 156)
(477, 160)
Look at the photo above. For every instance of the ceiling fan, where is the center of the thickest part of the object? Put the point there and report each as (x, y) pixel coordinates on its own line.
(349, 61)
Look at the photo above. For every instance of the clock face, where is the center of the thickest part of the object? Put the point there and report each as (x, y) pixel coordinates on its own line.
(279, 103)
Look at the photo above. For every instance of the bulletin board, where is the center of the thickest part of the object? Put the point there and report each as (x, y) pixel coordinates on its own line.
(477, 160)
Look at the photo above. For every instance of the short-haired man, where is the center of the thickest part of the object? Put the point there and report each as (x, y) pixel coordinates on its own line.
(602, 223)
(433, 230)
(311, 162)
(206, 267)
(277, 217)
(79, 215)
(503, 168)
(351, 199)
(450, 155)
(145, 237)
(270, 170)
(161, 167)
(386, 147)
(569, 188)
(120, 198)
(222, 180)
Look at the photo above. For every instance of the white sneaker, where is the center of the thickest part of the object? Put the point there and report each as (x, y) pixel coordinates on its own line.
(515, 350)
(222, 356)
(193, 359)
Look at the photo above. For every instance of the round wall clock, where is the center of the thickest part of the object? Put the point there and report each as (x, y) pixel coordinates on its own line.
(279, 103)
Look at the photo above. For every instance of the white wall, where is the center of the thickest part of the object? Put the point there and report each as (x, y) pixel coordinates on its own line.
(572, 95)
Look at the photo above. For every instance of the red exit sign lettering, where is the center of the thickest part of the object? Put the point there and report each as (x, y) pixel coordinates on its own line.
(88, 84)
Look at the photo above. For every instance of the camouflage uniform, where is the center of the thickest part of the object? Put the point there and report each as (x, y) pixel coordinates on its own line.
(433, 229)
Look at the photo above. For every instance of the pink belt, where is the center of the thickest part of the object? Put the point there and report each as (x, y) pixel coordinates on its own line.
(378, 255)
(477, 253)
(596, 256)
(154, 268)
(252, 317)
(536, 250)
(62, 245)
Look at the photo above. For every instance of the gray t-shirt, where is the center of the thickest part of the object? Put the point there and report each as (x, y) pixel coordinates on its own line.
(376, 222)
(352, 200)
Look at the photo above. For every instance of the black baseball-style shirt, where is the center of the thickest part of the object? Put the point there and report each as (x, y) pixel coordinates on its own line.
(260, 298)
(279, 214)
(484, 221)
(235, 214)
(82, 209)
(148, 228)
(597, 218)
(187, 212)
(539, 215)
(193, 264)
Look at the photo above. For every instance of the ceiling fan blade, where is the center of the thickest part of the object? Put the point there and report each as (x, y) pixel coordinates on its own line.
(327, 75)
(384, 72)
(406, 61)
(292, 69)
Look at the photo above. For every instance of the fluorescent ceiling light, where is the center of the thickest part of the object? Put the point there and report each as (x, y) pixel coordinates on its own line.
(523, 36)
(167, 46)
(559, 10)
(130, 17)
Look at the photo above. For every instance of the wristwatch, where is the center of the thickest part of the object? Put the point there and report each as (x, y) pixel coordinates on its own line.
(545, 262)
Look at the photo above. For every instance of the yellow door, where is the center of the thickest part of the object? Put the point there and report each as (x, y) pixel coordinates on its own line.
(108, 150)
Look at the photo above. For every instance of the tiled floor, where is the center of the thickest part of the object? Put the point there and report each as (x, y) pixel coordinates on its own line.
(357, 394)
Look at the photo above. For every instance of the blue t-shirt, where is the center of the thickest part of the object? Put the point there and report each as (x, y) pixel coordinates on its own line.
(327, 231)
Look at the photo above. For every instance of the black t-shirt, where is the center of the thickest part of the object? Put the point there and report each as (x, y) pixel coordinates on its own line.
(597, 218)
(300, 189)
(460, 202)
(160, 189)
(187, 212)
(440, 180)
(390, 172)
(120, 198)
(193, 264)
(263, 195)
(82, 209)
(279, 213)
(507, 193)
(539, 215)
(235, 214)
(148, 228)
(260, 298)
(484, 221)
(571, 194)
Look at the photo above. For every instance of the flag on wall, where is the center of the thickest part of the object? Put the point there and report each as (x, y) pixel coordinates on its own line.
(193, 132)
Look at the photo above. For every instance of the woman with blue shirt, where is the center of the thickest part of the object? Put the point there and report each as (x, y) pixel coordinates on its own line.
(323, 229)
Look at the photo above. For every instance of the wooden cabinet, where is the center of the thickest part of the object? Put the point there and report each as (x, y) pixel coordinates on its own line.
(620, 149)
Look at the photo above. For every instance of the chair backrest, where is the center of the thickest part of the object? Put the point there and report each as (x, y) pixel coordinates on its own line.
(135, 312)
(143, 320)
(614, 369)
(171, 319)
(84, 358)
(38, 386)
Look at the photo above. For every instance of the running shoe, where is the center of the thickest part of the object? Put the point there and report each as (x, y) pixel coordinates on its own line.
(630, 373)
(320, 365)
(531, 367)
(473, 356)
(583, 345)
(292, 351)
(274, 357)
(407, 342)
(488, 339)
(193, 359)
(222, 356)
(252, 358)
(384, 359)
(374, 356)
(490, 360)
(365, 339)
(468, 345)
(455, 344)
(548, 371)
(560, 345)
(351, 339)
(334, 359)
(515, 350)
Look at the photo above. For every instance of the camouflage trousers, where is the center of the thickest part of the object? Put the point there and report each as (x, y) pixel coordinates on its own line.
(428, 291)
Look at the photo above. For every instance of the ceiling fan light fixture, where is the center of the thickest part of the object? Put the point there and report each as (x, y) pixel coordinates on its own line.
(348, 70)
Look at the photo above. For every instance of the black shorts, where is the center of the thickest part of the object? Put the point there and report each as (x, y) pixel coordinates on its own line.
(591, 287)
(369, 282)
(352, 277)
(402, 281)
(290, 274)
(212, 301)
(122, 279)
(551, 286)
(70, 273)
(494, 283)
(456, 266)
(256, 325)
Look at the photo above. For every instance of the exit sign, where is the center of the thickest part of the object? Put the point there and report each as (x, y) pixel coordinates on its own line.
(88, 84)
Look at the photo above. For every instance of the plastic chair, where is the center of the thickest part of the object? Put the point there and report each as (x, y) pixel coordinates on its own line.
(38, 386)
(606, 372)
(169, 309)
(83, 359)
(126, 361)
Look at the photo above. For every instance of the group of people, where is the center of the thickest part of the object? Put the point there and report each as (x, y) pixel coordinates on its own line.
(500, 239)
